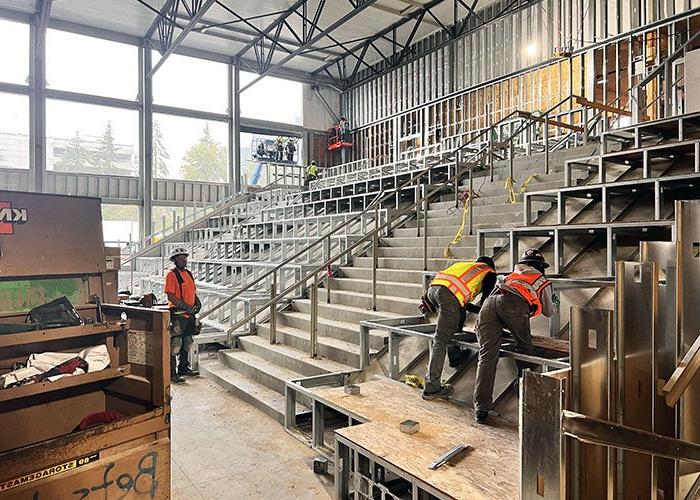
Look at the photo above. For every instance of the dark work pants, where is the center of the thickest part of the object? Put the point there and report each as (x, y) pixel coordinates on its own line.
(181, 340)
(499, 311)
(450, 321)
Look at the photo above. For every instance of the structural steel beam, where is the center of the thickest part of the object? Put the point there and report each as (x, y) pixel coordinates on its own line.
(357, 10)
(389, 29)
(602, 432)
(683, 375)
(183, 34)
(271, 27)
(160, 17)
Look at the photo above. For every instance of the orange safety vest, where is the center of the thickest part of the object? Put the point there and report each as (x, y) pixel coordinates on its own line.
(463, 279)
(529, 287)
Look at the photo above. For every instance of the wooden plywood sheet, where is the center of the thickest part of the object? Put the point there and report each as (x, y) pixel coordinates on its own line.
(488, 470)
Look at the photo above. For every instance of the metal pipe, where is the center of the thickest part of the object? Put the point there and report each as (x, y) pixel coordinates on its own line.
(328, 270)
(470, 200)
(546, 143)
(425, 230)
(273, 310)
(375, 257)
(313, 337)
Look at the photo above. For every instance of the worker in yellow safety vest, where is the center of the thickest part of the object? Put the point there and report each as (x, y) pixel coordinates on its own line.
(450, 295)
(523, 294)
(311, 173)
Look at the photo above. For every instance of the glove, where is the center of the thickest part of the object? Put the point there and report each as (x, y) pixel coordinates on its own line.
(426, 307)
(197, 305)
(556, 301)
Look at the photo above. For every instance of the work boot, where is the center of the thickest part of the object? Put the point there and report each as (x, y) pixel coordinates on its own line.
(444, 392)
(456, 356)
(481, 416)
(177, 379)
(189, 372)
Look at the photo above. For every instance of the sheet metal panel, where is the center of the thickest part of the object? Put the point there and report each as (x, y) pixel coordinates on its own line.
(542, 473)
(591, 348)
(688, 311)
(663, 253)
(636, 301)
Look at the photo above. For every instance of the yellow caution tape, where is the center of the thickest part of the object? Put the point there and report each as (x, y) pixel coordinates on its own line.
(415, 381)
(527, 181)
(510, 187)
(447, 253)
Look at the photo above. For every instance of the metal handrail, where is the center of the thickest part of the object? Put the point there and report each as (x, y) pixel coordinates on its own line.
(374, 234)
(226, 203)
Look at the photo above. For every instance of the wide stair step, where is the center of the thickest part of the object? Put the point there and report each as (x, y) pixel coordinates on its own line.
(397, 305)
(401, 263)
(258, 395)
(293, 358)
(347, 332)
(459, 251)
(390, 275)
(346, 353)
(407, 290)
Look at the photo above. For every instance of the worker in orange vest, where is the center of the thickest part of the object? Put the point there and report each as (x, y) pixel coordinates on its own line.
(523, 294)
(450, 294)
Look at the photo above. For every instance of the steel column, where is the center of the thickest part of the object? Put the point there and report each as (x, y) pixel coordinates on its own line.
(146, 140)
(234, 149)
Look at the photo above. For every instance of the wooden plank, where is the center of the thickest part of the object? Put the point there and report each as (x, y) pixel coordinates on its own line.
(551, 344)
(24, 391)
(600, 106)
(488, 470)
(58, 450)
(139, 472)
(555, 123)
(15, 339)
(683, 374)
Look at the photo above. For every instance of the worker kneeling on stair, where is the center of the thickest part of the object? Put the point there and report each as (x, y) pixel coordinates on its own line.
(184, 305)
(450, 294)
(523, 294)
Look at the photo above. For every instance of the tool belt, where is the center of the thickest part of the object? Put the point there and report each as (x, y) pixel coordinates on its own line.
(178, 323)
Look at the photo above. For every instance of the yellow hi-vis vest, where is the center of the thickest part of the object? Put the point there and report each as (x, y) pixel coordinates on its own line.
(463, 279)
(312, 170)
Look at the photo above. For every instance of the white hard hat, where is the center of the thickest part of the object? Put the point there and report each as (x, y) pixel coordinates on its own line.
(178, 251)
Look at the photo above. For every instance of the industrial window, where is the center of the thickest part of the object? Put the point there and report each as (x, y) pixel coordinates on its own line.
(257, 173)
(171, 217)
(89, 65)
(14, 131)
(120, 224)
(90, 139)
(272, 99)
(14, 56)
(191, 83)
(189, 148)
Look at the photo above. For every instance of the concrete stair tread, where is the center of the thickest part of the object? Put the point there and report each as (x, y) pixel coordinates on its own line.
(379, 282)
(267, 400)
(359, 310)
(323, 364)
(369, 296)
(262, 364)
(334, 323)
(329, 341)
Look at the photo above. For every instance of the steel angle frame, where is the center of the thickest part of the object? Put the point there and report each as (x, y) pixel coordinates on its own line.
(636, 306)
(591, 470)
(418, 326)
(542, 446)
(302, 387)
(688, 314)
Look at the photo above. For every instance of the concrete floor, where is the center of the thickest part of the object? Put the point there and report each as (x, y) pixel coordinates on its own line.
(223, 448)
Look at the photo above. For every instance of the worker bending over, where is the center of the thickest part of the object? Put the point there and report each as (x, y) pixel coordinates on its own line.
(450, 294)
(184, 305)
(523, 294)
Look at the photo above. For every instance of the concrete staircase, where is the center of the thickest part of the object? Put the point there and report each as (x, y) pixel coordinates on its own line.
(256, 370)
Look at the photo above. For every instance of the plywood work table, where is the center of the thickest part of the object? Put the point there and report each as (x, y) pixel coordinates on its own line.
(488, 470)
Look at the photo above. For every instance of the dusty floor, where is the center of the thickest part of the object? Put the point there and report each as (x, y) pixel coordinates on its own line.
(223, 448)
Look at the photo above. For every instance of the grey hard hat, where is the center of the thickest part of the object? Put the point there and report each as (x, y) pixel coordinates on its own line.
(178, 251)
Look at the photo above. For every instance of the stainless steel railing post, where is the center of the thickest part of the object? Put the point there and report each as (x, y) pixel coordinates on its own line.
(425, 230)
(375, 256)
(313, 337)
(546, 143)
(327, 258)
(273, 310)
